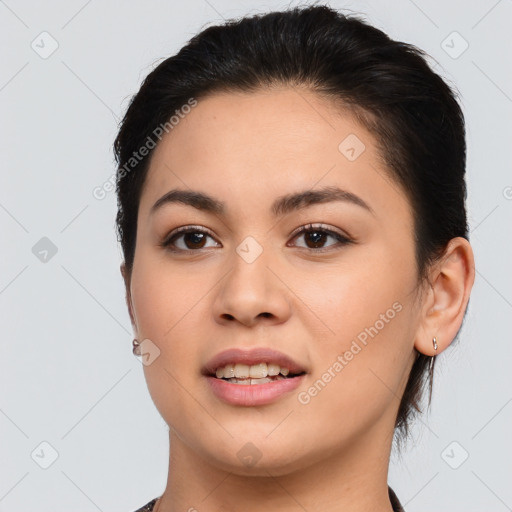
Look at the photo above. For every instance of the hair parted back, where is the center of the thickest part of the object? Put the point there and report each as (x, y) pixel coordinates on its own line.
(387, 85)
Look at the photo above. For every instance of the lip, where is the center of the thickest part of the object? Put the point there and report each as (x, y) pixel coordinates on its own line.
(252, 394)
(250, 357)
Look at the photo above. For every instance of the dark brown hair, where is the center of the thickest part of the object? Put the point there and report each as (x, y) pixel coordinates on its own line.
(386, 84)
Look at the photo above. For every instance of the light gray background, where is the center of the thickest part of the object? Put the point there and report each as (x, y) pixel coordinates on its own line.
(68, 376)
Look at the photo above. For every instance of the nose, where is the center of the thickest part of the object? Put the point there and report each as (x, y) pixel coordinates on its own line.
(252, 292)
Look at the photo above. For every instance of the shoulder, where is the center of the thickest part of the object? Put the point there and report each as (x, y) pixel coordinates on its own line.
(148, 507)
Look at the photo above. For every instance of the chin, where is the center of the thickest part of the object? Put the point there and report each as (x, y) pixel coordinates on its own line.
(260, 457)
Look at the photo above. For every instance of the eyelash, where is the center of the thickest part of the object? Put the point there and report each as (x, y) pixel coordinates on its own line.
(342, 240)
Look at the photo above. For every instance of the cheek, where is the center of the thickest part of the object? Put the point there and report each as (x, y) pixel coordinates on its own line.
(164, 299)
(357, 384)
(170, 307)
(350, 299)
(362, 353)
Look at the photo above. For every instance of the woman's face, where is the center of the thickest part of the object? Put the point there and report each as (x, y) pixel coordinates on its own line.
(247, 280)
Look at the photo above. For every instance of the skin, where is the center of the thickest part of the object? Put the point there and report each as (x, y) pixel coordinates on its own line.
(331, 454)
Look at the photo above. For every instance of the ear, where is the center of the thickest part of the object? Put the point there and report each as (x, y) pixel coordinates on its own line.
(127, 282)
(451, 280)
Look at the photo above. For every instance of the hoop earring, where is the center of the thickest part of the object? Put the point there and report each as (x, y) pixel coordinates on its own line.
(434, 342)
(136, 347)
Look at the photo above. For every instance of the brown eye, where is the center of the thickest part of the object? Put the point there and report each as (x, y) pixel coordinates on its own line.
(194, 240)
(316, 237)
(187, 239)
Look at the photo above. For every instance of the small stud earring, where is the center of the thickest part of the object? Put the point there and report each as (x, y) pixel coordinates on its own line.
(136, 347)
(434, 342)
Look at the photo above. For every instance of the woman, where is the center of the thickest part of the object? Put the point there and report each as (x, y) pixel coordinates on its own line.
(291, 209)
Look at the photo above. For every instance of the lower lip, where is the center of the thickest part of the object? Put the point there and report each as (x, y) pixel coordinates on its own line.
(252, 394)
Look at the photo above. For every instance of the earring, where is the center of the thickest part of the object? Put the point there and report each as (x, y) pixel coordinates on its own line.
(434, 342)
(136, 347)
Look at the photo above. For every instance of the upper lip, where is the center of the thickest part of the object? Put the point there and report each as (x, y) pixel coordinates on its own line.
(250, 357)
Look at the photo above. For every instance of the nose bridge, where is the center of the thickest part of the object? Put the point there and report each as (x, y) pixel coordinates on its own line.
(251, 289)
(249, 275)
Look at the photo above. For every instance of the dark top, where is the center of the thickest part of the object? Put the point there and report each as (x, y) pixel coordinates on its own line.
(392, 497)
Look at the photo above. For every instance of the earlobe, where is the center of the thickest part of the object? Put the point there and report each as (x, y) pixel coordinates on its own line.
(445, 304)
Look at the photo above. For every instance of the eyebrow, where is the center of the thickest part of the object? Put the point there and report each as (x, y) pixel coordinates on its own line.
(281, 206)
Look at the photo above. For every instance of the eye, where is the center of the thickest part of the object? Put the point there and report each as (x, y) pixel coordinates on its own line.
(190, 238)
(193, 237)
(316, 236)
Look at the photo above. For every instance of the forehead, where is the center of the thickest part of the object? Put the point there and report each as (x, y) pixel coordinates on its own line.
(247, 146)
(277, 124)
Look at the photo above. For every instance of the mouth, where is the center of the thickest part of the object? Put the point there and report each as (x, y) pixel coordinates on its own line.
(252, 377)
(260, 373)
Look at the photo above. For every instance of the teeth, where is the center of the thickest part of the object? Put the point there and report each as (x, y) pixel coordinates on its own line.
(229, 371)
(261, 381)
(246, 382)
(273, 369)
(257, 371)
(241, 371)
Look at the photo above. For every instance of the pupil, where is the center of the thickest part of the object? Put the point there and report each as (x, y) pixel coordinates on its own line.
(196, 239)
(317, 237)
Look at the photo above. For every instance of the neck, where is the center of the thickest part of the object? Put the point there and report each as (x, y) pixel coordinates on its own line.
(351, 478)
